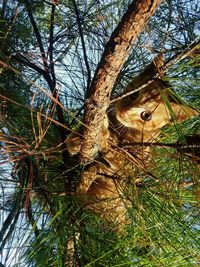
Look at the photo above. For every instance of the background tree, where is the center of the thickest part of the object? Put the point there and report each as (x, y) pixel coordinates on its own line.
(50, 56)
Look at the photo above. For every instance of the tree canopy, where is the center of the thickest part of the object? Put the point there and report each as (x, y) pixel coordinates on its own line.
(62, 63)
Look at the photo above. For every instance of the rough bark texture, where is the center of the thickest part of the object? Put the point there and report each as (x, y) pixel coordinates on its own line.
(114, 56)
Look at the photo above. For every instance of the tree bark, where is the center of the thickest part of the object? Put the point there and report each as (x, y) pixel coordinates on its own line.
(113, 58)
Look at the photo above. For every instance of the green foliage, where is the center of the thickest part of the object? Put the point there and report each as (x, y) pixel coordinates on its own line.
(40, 218)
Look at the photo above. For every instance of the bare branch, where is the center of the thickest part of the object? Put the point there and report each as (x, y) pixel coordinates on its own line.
(50, 50)
(78, 19)
(37, 33)
(26, 61)
(114, 56)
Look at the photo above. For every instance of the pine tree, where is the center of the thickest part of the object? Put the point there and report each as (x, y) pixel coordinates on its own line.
(62, 63)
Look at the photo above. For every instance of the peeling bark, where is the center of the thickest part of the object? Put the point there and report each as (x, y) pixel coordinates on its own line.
(114, 56)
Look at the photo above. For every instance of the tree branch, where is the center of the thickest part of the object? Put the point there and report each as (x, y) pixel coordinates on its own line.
(3, 9)
(26, 61)
(114, 56)
(10, 222)
(50, 50)
(37, 33)
(51, 80)
(32, 221)
(83, 46)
